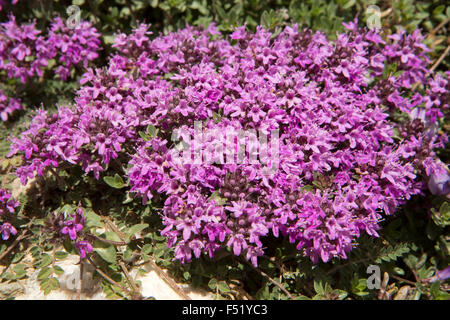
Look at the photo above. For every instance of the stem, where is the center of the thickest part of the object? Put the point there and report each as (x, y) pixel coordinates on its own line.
(106, 277)
(133, 15)
(129, 278)
(81, 279)
(60, 180)
(440, 25)
(114, 228)
(403, 280)
(169, 281)
(447, 50)
(277, 284)
(116, 243)
(336, 268)
(20, 237)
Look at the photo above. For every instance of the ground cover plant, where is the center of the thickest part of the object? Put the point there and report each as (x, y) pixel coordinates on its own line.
(96, 114)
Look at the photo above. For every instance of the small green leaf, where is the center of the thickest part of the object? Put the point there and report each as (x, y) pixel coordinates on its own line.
(45, 261)
(17, 257)
(54, 283)
(115, 182)
(135, 229)
(223, 287)
(147, 248)
(108, 254)
(58, 270)
(318, 287)
(127, 254)
(152, 131)
(112, 236)
(93, 219)
(212, 284)
(144, 136)
(61, 255)
(44, 273)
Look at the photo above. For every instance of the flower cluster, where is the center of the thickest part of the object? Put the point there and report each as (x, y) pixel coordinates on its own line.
(7, 208)
(72, 47)
(8, 106)
(73, 228)
(24, 51)
(345, 158)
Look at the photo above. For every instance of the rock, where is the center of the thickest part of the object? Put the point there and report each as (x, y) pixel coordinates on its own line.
(17, 187)
(11, 289)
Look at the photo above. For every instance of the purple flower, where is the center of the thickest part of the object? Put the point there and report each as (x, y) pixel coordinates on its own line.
(83, 247)
(74, 225)
(439, 182)
(342, 161)
(6, 229)
(440, 275)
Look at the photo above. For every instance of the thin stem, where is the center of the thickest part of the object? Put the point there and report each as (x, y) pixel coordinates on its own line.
(20, 237)
(116, 243)
(336, 268)
(447, 50)
(403, 280)
(81, 279)
(169, 281)
(440, 25)
(133, 15)
(106, 277)
(114, 228)
(60, 180)
(129, 278)
(277, 284)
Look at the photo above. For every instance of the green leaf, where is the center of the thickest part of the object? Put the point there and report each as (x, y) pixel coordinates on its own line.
(93, 219)
(301, 297)
(144, 136)
(127, 254)
(186, 275)
(216, 197)
(147, 248)
(44, 273)
(54, 283)
(112, 236)
(212, 284)
(318, 287)
(223, 287)
(341, 294)
(108, 254)
(20, 271)
(17, 257)
(438, 10)
(135, 229)
(67, 209)
(58, 270)
(152, 131)
(437, 293)
(45, 261)
(128, 199)
(61, 255)
(115, 182)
